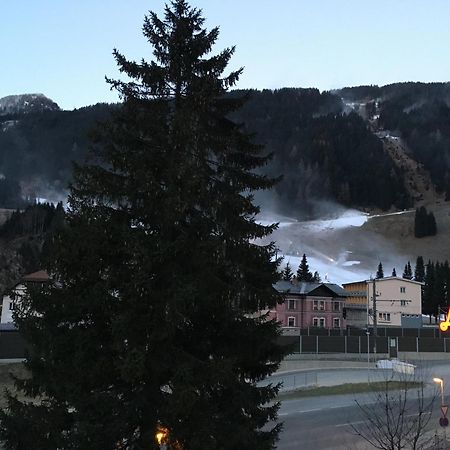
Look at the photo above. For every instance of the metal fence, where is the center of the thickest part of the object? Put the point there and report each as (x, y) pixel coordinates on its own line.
(381, 331)
(362, 344)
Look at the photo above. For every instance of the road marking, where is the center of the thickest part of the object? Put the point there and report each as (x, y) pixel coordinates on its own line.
(310, 410)
(364, 421)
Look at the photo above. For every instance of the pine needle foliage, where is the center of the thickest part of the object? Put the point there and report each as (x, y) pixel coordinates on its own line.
(151, 319)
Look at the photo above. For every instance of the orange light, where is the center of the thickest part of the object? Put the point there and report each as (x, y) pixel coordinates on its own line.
(161, 435)
(445, 324)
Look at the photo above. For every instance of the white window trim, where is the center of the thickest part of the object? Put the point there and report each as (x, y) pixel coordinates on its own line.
(338, 319)
(319, 320)
(291, 317)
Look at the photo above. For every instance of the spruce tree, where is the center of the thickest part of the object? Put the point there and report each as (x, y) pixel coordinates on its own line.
(287, 273)
(431, 225)
(407, 272)
(380, 273)
(303, 273)
(316, 277)
(429, 297)
(128, 337)
(419, 271)
(394, 272)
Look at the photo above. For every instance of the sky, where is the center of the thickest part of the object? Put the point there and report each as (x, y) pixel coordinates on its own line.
(63, 48)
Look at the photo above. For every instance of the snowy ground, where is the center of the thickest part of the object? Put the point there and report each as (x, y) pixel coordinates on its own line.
(338, 248)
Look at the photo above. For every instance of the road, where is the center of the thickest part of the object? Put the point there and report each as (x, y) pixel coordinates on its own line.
(324, 422)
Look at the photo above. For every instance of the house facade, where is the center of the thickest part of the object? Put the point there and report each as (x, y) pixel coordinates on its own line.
(13, 297)
(318, 305)
(398, 302)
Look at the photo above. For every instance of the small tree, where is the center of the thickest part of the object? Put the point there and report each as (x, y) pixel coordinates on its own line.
(407, 272)
(380, 273)
(397, 417)
(303, 273)
(394, 272)
(287, 273)
(316, 277)
(424, 223)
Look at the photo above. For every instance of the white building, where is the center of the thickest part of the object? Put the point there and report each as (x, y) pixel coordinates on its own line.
(13, 297)
(398, 301)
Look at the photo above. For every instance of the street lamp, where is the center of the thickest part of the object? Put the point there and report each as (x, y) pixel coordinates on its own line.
(440, 381)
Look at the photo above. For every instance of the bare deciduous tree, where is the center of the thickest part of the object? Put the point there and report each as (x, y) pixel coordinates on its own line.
(397, 417)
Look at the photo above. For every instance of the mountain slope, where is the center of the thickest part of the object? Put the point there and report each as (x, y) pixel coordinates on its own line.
(26, 103)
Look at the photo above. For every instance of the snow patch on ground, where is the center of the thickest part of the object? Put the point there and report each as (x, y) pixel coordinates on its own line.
(350, 218)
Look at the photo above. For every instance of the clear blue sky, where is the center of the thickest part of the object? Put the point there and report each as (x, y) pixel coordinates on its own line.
(62, 48)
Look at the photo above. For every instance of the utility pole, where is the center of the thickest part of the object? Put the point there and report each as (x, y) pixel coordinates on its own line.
(375, 333)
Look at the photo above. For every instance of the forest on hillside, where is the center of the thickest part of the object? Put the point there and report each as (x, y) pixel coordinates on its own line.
(320, 151)
(420, 113)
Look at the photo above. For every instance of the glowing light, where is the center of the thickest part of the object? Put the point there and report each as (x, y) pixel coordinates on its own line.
(161, 435)
(438, 380)
(445, 324)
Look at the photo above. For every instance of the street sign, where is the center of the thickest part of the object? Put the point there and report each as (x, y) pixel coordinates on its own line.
(443, 422)
(444, 409)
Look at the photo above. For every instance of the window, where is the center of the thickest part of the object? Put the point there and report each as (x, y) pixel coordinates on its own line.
(291, 322)
(385, 317)
(403, 302)
(11, 306)
(319, 322)
(318, 305)
(402, 289)
(336, 306)
(336, 322)
(292, 304)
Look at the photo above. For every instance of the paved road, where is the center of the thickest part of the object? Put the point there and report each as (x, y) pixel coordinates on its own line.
(326, 422)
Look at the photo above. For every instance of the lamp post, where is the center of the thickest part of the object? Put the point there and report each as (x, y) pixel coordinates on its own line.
(440, 381)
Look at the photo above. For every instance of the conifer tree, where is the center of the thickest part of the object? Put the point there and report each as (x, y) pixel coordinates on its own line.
(128, 338)
(287, 273)
(394, 272)
(407, 272)
(303, 273)
(429, 297)
(419, 271)
(380, 273)
(316, 277)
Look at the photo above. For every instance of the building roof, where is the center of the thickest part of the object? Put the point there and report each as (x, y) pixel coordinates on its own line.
(305, 288)
(378, 280)
(41, 276)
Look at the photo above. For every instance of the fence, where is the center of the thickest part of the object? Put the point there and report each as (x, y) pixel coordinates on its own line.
(430, 332)
(362, 344)
(12, 345)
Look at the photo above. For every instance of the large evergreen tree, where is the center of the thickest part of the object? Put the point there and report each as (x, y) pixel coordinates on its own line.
(303, 272)
(128, 337)
(419, 271)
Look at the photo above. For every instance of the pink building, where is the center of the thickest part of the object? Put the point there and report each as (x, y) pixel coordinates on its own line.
(319, 305)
